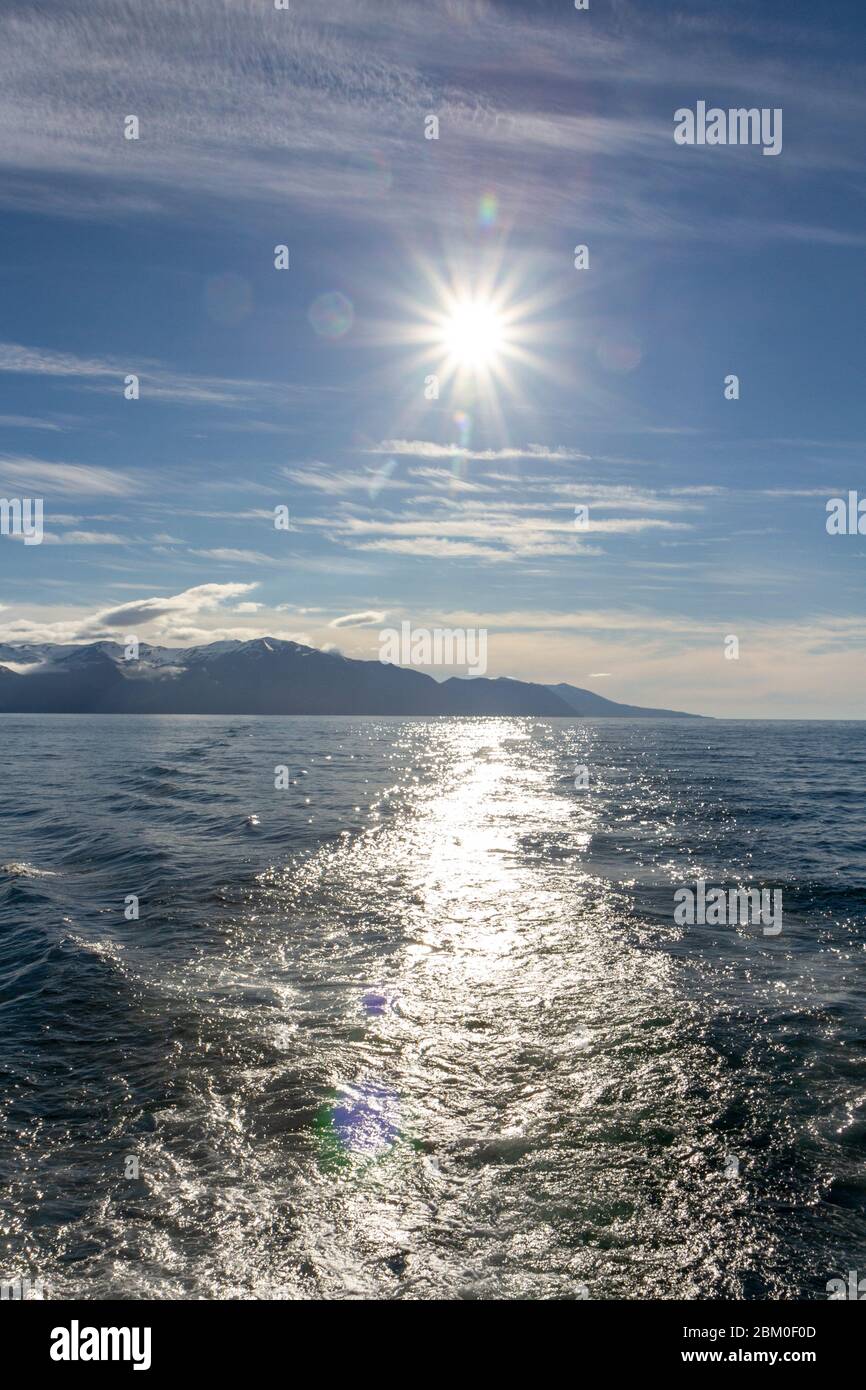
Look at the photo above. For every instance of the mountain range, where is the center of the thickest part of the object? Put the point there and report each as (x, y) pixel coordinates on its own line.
(266, 676)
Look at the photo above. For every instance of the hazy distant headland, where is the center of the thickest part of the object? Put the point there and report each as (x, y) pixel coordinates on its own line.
(267, 676)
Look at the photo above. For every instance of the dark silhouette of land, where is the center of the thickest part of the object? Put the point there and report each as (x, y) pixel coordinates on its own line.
(266, 676)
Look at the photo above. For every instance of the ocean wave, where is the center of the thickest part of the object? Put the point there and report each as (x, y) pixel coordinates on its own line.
(431, 1028)
(21, 869)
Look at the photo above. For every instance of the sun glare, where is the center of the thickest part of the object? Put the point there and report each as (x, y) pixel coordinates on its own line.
(474, 334)
(479, 330)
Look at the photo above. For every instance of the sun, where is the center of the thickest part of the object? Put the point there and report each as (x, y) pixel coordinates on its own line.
(479, 328)
(473, 334)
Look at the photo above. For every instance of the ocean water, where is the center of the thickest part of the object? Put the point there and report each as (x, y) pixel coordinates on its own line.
(421, 1023)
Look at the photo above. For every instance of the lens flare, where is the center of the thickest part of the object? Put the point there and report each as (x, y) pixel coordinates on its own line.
(381, 477)
(332, 315)
(362, 1123)
(463, 421)
(228, 298)
(488, 210)
(374, 1003)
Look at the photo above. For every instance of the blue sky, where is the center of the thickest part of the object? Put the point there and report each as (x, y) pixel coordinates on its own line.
(261, 127)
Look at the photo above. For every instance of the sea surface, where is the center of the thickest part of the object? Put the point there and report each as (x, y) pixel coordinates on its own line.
(420, 1024)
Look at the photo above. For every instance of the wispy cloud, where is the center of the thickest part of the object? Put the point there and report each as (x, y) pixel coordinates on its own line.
(318, 97)
(232, 557)
(83, 538)
(37, 475)
(444, 479)
(476, 531)
(368, 619)
(28, 422)
(425, 448)
(156, 381)
(341, 482)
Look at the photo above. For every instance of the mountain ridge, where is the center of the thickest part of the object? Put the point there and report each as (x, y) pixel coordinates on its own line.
(268, 675)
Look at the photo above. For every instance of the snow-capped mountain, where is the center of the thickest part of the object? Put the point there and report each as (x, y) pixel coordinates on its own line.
(264, 676)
